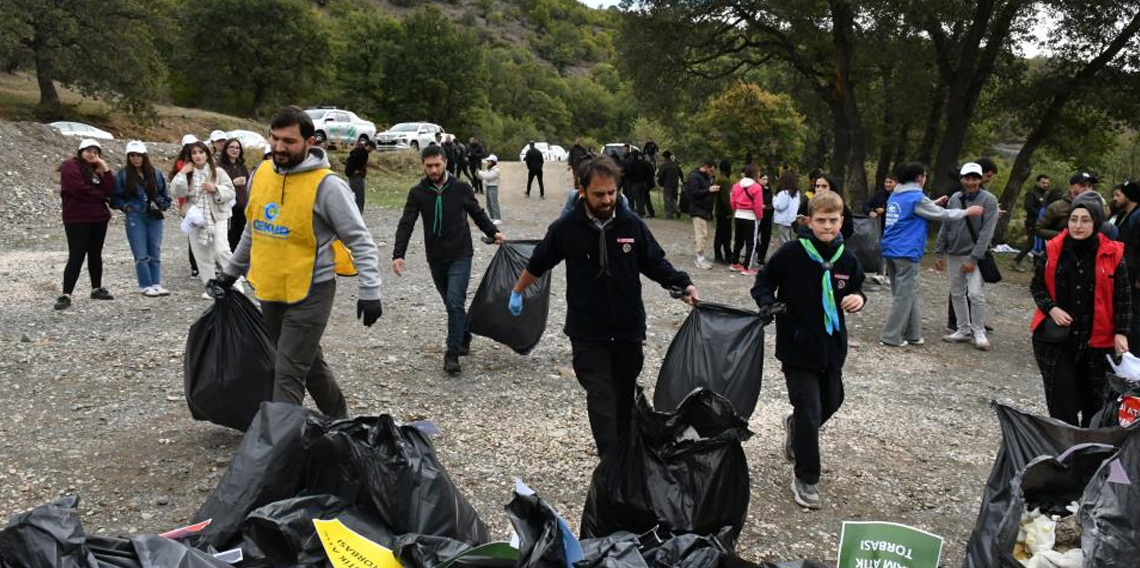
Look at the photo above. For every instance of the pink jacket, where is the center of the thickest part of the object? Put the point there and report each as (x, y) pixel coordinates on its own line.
(748, 195)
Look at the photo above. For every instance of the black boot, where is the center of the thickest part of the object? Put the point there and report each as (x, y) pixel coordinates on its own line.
(451, 364)
(465, 347)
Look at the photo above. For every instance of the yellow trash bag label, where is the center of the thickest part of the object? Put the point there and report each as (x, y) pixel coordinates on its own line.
(347, 549)
(342, 259)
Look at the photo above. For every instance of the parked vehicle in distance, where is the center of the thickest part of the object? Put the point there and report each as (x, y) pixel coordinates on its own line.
(68, 128)
(558, 154)
(340, 126)
(408, 135)
(249, 139)
(550, 153)
(614, 149)
(541, 146)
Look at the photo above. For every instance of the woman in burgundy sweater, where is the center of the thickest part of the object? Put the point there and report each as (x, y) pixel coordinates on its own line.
(86, 185)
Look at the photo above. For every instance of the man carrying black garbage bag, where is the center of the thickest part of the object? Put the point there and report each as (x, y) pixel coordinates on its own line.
(606, 249)
(817, 281)
(297, 210)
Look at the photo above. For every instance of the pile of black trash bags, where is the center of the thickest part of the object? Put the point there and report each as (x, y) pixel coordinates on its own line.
(383, 480)
(1044, 465)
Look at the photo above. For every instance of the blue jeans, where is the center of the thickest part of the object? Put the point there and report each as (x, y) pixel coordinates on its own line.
(451, 279)
(145, 237)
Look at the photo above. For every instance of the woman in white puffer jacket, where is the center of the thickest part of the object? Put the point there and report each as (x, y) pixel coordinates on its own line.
(209, 189)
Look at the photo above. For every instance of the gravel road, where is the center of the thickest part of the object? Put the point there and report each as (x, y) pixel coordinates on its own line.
(93, 396)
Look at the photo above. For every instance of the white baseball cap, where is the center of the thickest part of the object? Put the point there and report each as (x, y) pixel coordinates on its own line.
(971, 168)
(189, 139)
(217, 135)
(136, 147)
(89, 142)
(493, 158)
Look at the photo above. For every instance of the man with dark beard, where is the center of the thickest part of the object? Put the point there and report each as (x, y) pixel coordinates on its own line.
(297, 210)
(606, 248)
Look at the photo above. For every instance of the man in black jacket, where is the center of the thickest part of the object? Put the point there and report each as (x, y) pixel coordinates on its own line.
(1035, 201)
(669, 178)
(356, 169)
(638, 183)
(533, 159)
(606, 249)
(444, 202)
(577, 155)
(451, 152)
(702, 199)
(475, 155)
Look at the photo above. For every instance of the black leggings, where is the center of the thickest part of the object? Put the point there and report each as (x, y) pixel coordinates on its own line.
(745, 239)
(84, 240)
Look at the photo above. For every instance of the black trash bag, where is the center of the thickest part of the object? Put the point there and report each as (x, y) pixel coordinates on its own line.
(228, 363)
(396, 465)
(425, 551)
(1043, 461)
(283, 534)
(619, 550)
(865, 243)
(48, 536)
(1118, 389)
(687, 551)
(266, 468)
(682, 472)
(52, 536)
(542, 534)
(719, 348)
(488, 315)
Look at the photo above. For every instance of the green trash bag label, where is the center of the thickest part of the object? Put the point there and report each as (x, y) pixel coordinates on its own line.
(887, 545)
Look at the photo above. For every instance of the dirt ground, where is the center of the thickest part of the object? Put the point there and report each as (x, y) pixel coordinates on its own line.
(94, 404)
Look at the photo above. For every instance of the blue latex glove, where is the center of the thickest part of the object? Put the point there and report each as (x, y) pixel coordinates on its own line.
(515, 305)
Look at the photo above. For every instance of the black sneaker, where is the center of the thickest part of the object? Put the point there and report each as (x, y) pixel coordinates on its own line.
(451, 364)
(101, 294)
(63, 302)
(789, 447)
(465, 347)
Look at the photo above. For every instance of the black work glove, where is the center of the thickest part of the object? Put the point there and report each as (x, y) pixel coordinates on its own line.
(770, 311)
(219, 285)
(369, 311)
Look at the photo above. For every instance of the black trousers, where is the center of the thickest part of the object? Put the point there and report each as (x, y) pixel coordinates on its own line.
(1073, 379)
(84, 241)
(237, 226)
(765, 238)
(1025, 249)
(722, 239)
(745, 239)
(608, 371)
(531, 175)
(190, 254)
(815, 397)
(476, 181)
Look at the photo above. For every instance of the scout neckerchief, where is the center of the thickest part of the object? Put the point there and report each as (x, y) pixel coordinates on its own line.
(830, 313)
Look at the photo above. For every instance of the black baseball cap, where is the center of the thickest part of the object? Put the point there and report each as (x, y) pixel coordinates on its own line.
(1082, 177)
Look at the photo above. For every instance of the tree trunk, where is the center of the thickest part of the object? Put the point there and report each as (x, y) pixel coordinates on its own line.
(854, 168)
(258, 100)
(888, 137)
(45, 73)
(933, 124)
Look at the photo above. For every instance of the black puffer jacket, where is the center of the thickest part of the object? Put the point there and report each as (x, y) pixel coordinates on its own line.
(701, 200)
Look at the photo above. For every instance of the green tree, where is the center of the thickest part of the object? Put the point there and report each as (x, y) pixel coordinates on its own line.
(746, 120)
(364, 42)
(104, 49)
(439, 73)
(244, 54)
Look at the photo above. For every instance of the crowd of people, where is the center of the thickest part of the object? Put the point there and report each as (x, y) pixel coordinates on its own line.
(289, 225)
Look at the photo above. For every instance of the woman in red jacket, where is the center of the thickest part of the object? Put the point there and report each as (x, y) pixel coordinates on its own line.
(1083, 314)
(86, 185)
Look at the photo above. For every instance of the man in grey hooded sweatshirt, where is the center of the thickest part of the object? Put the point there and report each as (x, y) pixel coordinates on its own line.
(298, 210)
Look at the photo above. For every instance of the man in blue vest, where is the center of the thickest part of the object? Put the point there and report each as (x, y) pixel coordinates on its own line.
(904, 243)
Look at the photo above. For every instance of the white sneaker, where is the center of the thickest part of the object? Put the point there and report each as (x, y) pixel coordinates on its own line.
(702, 263)
(496, 222)
(981, 343)
(161, 291)
(151, 292)
(207, 296)
(960, 336)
